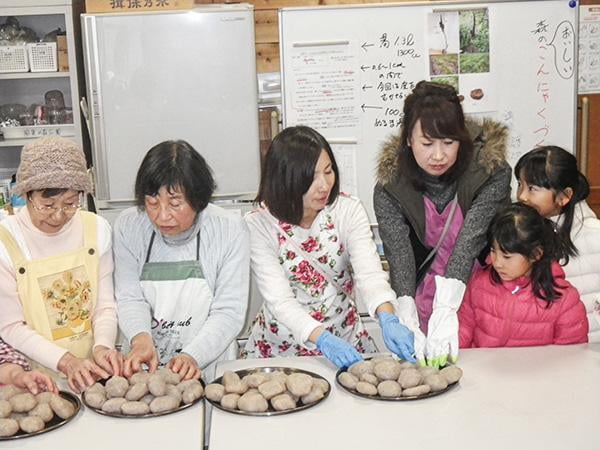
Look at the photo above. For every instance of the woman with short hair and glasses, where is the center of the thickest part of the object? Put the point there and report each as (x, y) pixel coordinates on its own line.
(56, 288)
(181, 266)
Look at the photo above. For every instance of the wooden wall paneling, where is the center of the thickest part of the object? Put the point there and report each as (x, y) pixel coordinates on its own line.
(267, 57)
(275, 4)
(266, 26)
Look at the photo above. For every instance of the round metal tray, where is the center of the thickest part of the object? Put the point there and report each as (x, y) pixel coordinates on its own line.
(181, 407)
(391, 399)
(56, 421)
(271, 411)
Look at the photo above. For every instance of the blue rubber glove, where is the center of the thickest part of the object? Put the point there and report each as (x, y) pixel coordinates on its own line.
(337, 350)
(398, 338)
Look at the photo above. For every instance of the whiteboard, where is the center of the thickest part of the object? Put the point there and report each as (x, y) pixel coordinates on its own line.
(346, 70)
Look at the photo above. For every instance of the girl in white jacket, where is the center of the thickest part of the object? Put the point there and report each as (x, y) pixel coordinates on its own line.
(548, 180)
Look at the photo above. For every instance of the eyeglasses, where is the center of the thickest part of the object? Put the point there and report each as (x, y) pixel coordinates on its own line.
(49, 210)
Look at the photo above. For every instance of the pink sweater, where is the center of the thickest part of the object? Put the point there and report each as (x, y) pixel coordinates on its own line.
(509, 315)
(37, 244)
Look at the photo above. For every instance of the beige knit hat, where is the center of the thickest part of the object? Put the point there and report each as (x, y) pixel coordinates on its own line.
(52, 163)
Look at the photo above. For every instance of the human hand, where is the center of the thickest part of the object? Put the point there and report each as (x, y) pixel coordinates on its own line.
(398, 338)
(407, 312)
(34, 381)
(185, 366)
(142, 352)
(81, 373)
(337, 350)
(109, 359)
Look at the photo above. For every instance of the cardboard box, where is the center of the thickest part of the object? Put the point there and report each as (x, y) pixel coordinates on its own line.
(114, 6)
(63, 53)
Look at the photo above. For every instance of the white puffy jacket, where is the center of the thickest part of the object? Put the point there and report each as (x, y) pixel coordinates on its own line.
(583, 271)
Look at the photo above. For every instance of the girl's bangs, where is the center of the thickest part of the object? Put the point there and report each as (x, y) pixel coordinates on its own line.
(533, 171)
(440, 123)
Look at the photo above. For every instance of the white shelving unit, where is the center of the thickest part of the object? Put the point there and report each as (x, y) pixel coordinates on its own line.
(43, 16)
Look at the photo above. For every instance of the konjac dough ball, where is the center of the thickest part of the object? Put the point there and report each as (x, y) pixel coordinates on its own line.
(436, 382)
(113, 405)
(185, 384)
(139, 377)
(407, 365)
(116, 387)
(357, 369)
(230, 401)
(8, 391)
(31, 424)
(45, 397)
(94, 399)
(214, 392)
(5, 408)
(23, 402)
(321, 384)
(136, 392)
(8, 427)
(135, 408)
(254, 380)
(163, 403)
(314, 395)
(389, 388)
(43, 411)
(61, 407)
(369, 378)
(157, 386)
(271, 388)
(147, 399)
(416, 391)
(451, 373)
(252, 403)
(169, 376)
(348, 380)
(230, 377)
(173, 391)
(428, 370)
(192, 393)
(299, 384)
(279, 376)
(283, 402)
(366, 388)
(410, 378)
(387, 370)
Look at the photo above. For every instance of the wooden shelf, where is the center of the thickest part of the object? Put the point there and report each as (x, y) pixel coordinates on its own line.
(33, 75)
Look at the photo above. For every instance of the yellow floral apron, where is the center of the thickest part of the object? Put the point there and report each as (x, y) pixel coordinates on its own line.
(59, 293)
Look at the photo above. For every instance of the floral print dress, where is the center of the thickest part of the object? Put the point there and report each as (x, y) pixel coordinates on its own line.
(323, 301)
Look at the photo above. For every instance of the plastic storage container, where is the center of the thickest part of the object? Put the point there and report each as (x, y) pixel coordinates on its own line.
(42, 57)
(13, 58)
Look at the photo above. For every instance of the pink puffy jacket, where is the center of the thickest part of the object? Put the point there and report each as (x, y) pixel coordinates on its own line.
(509, 315)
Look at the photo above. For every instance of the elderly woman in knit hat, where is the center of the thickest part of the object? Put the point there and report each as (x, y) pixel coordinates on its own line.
(56, 290)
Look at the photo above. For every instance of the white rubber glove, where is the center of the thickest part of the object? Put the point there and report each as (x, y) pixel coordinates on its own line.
(406, 311)
(442, 336)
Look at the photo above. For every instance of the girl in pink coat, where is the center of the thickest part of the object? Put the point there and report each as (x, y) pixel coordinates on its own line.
(522, 297)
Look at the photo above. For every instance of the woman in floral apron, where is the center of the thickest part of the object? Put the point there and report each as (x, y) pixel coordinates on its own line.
(56, 287)
(181, 267)
(440, 182)
(310, 249)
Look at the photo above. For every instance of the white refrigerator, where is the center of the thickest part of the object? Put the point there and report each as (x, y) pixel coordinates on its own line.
(171, 75)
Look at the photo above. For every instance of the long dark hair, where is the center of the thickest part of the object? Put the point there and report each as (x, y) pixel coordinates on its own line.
(438, 108)
(554, 168)
(289, 170)
(519, 228)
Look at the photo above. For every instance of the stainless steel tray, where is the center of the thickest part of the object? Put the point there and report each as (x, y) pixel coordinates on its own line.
(271, 411)
(391, 399)
(56, 421)
(181, 407)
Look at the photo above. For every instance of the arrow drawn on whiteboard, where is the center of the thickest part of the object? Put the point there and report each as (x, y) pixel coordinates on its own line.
(363, 107)
(563, 43)
(365, 45)
(365, 87)
(364, 68)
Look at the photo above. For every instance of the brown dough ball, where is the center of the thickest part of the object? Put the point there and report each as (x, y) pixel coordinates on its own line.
(299, 384)
(369, 378)
(8, 391)
(252, 403)
(271, 389)
(113, 405)
(357, 369)
(139, 377)
(8, 427)
(230, 401)
(389, 388)
(387, 370)
(192, 393)
(94, 399)
(215, 392)
(5, 408)
(416, 391)
(45, 397)
(163, 403)
(136, 392)
(255, 379)
(23, 402)
(135, 408)
(348, 380)
(116, 387)
(313, 396)
(43, 411)
(366, 388)
(283, 402)
(451, 373)
(436, 382)
(477, 94)
(31, 424)
(410, 378)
